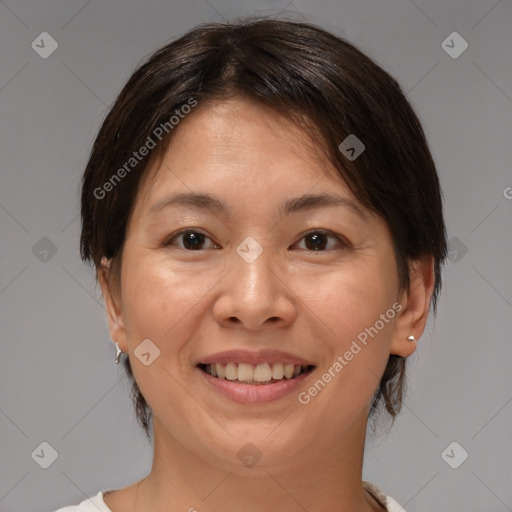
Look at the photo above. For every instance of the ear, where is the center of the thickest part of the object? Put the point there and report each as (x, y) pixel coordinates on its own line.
(415, 307)
(112, 303)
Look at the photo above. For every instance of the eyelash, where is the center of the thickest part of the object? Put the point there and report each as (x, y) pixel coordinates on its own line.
(341, 240)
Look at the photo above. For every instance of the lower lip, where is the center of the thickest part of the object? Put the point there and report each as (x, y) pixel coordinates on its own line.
(255, 393)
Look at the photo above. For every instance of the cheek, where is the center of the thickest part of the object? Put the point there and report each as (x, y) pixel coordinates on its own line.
(166, 303)
(356, 306)
(157, 297)
(155, 303)
(159, 304)
(350, 300)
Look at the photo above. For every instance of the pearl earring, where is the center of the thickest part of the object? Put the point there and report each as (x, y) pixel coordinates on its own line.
(411, 338)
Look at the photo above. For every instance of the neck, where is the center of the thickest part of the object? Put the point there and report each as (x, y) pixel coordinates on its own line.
(327, 477)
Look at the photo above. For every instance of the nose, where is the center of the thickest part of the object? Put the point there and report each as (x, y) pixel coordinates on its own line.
(256, 294)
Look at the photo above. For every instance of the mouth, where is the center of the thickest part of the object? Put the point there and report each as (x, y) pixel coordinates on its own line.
(254, 377)
(256, 374)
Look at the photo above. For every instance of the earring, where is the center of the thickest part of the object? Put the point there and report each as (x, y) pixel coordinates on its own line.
(118, 352)
(411, 338)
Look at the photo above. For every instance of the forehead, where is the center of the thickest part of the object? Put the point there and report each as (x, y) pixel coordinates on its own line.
(241, 147)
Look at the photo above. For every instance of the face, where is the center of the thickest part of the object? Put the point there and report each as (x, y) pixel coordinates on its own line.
(260, 276)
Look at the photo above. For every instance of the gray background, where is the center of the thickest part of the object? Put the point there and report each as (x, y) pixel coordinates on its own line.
(58, 380)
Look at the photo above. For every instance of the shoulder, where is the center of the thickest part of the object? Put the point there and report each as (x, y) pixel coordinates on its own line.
(92, 504)
(387, 502)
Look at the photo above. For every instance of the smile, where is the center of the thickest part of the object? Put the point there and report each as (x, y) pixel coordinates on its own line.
(260, 374)
(245, 383)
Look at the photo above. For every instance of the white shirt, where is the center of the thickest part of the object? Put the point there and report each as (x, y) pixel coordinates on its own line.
(96, 503)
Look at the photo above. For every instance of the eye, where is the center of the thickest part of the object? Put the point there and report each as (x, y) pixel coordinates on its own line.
(192, 239)
(317, 240)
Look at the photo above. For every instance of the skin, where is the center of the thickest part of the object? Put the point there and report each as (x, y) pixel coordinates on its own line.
(193, 303)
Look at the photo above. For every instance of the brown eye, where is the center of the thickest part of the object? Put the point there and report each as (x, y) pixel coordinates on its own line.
(192, 240)
(318, 240)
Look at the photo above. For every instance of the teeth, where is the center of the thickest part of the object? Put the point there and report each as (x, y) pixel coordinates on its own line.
(288, 371)
(260, 373)
(245, 372)
(220, 371)
(278, 371)
(231, 371)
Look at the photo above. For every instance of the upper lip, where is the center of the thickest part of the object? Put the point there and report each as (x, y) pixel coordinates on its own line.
(254, 358)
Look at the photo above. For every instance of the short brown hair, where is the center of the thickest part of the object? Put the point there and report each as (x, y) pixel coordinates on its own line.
(319, 81)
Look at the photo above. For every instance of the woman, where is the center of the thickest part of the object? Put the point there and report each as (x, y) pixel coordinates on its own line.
(265, 220)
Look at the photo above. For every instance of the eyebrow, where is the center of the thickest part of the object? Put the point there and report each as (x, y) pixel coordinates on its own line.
(204, 201)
